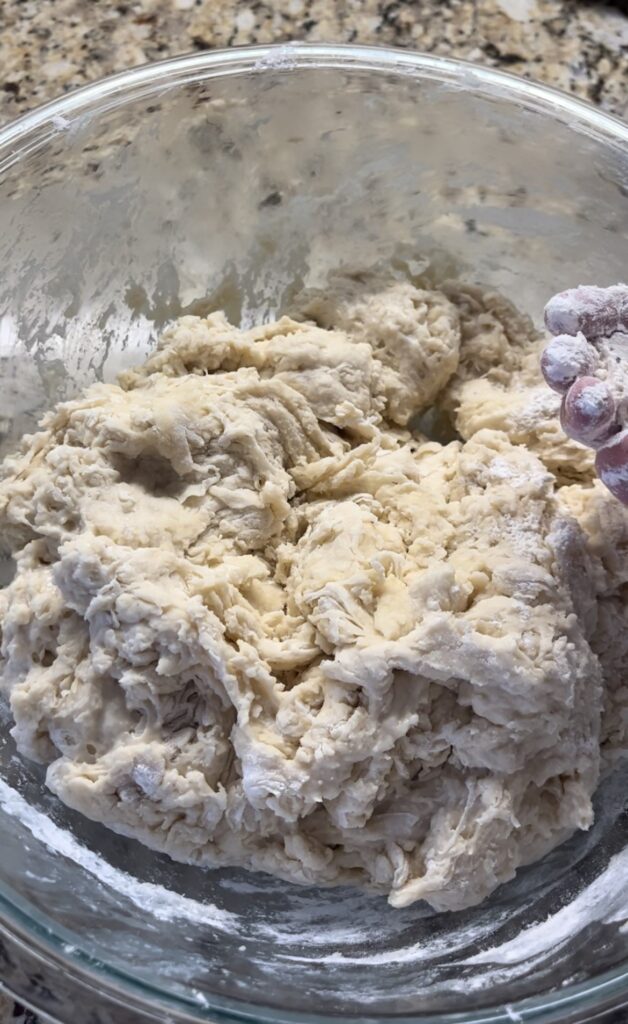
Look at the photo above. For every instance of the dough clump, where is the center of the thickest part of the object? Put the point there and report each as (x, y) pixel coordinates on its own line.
(255, 621)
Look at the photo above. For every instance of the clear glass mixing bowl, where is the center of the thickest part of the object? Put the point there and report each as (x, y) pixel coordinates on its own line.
(224, 179)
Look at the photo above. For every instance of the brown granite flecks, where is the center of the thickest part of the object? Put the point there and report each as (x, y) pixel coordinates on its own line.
(50, 46)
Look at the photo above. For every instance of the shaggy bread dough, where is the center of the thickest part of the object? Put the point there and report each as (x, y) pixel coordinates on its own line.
(498, 384)
(256, 622)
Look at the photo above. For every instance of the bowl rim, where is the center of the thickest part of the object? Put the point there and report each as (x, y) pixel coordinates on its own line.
(48, 121)
(54, 117)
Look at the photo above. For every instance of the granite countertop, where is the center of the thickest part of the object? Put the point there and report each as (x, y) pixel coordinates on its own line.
(50, 46)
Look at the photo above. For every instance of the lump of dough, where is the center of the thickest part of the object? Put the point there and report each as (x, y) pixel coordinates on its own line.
(499, 385)
(254, 624)
(602, 574)
(332, 372)
(169, 460)
(413, 333)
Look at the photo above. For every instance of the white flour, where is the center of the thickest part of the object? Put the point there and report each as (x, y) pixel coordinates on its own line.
(325, 925)
(155, 899)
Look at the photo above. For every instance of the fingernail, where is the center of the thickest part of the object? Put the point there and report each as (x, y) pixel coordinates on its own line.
(565, 359)
(588, 411)
(611, 463)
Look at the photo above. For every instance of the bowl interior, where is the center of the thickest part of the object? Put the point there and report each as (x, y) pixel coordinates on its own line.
(230, 180)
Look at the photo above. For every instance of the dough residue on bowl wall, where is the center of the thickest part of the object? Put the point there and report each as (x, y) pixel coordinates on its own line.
(256, 621)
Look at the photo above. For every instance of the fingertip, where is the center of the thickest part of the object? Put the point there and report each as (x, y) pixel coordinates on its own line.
(559, 314)
(564, 359)
(611, 463)
(588, 411)
(597, 312)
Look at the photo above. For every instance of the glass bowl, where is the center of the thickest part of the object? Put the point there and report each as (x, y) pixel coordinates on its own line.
(224, 179)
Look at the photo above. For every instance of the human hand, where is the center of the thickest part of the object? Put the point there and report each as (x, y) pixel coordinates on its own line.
(587, 362)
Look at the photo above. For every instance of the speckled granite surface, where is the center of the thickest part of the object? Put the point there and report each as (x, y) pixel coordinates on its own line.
(11, 1013)
(50, 46)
